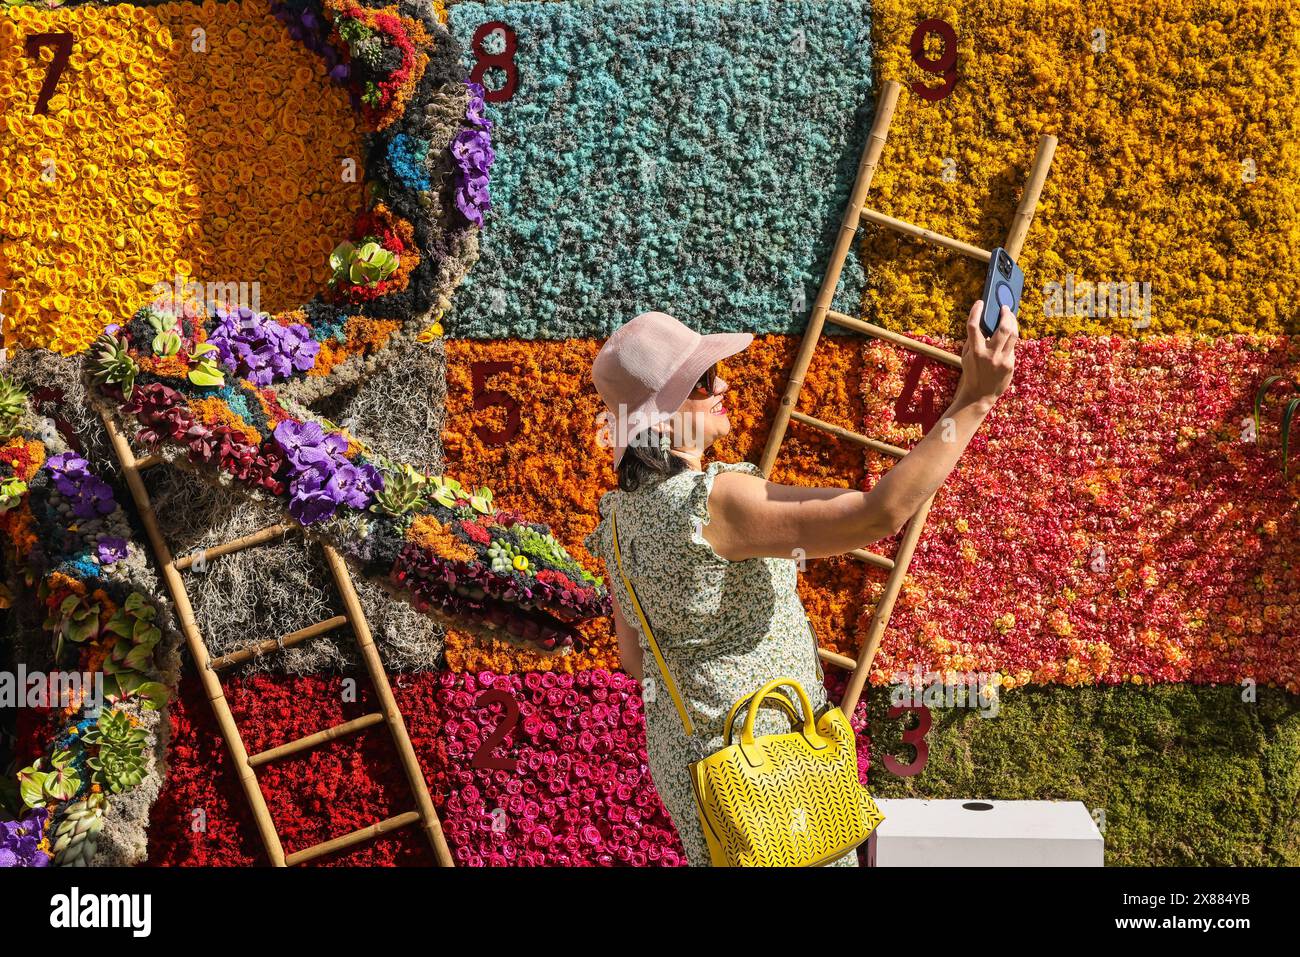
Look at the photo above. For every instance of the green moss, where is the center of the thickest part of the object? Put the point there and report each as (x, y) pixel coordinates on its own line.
(1186, 775)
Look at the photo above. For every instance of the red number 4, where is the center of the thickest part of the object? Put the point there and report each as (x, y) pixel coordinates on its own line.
(903, 414)
(62, 44)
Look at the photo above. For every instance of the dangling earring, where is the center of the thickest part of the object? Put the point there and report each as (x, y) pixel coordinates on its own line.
(665, 442)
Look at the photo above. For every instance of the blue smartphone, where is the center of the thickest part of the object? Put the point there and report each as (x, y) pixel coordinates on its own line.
(1003, 286)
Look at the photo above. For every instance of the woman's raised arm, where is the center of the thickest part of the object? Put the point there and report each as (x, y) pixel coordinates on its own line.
(754, 518)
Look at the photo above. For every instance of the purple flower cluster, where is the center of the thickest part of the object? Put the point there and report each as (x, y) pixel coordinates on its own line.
(472, 149)
(111, 549)
(89, 495)
(20, 840)
(255, 347)
(322, 477)
(312, 30)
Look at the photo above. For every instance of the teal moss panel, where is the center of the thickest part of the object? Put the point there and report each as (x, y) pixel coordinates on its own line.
(1186, 774)
(694, 158)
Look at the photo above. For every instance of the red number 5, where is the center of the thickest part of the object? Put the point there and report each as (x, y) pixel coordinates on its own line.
(62, 44)
(487, 398)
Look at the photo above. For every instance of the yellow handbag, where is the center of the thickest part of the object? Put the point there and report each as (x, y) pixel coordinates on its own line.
(779, 800)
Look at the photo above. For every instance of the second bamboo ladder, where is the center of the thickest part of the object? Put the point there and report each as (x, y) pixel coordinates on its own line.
(856, 215)
(208, 667)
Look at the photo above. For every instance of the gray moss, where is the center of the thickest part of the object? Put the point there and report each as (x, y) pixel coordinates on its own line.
(276, 588)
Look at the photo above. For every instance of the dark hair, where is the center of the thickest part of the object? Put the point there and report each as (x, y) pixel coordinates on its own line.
(644, 462)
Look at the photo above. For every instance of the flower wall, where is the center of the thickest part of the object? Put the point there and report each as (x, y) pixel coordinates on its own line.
(155, 161)
(1115, 549)
(688, 152)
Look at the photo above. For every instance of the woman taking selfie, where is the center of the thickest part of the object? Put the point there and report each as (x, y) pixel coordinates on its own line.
(711, 549)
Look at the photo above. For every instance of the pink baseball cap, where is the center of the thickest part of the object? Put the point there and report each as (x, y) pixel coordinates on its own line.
(647, 368)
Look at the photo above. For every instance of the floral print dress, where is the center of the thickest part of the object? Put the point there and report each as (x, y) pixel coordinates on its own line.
(723, 627)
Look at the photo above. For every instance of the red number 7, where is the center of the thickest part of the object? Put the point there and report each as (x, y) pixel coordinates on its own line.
(62, 43)
(487, 398)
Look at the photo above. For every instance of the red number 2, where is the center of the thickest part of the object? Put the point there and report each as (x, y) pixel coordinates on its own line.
(62, 44)
(505, 61)
(487, 398)
(483, 757)
(945, 65)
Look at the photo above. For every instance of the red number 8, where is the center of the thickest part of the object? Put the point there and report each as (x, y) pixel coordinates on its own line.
(485, 61)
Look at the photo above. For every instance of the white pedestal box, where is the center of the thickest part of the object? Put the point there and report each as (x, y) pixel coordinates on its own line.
(918, 833)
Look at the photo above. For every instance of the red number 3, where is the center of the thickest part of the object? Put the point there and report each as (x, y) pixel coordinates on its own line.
(913, 736)
(945, 65)
(505, 60)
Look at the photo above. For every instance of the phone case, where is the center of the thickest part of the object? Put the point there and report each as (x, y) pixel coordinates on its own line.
(1004, 285)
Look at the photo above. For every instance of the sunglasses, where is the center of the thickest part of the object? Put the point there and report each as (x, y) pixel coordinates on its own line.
(707, 383)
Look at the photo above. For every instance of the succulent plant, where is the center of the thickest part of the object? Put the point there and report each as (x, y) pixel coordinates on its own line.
(12, 491)
(205, 371)
(138, 635)
(446, 491)
(112, 362)
(12, 402)
(120, 761)
(77, 620)
(544, 546)
(367, 264)
(76, 832)
(60, 783)
(166, 341)
(502, 556)
(403, 491)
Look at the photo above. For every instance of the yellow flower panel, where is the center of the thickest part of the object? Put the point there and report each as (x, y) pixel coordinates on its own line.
(1178, 164)
(181, 139)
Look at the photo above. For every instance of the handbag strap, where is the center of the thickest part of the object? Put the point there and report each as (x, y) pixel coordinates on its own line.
(645, 629)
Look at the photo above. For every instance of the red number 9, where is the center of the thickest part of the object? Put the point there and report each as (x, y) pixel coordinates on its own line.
(945, 66)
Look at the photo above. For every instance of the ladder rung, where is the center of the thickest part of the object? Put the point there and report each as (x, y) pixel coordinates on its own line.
(840, 661)
(356, 837)
(849, 435)
(871, 558)
(929, 235)
(238, 545)
(275, 644)
(315, 740)
(907, 342)
(148, 462)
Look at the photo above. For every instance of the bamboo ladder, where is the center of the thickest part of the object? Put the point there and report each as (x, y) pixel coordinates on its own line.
(855, 215)
(208, 667)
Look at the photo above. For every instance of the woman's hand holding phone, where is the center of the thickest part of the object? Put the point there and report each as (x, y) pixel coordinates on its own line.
(987, 364)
